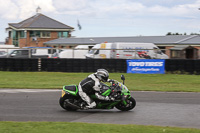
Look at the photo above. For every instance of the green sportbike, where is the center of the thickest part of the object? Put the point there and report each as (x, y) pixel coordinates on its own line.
(71, 101)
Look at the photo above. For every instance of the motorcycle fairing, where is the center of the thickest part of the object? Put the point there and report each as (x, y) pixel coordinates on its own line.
(125, 90)
(106, 105)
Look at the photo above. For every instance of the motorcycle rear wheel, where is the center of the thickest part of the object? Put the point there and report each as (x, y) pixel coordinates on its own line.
(130, 102)
(62, 104)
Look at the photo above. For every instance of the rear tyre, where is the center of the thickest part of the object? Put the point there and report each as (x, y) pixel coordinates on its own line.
(131, 103)
(63, 104)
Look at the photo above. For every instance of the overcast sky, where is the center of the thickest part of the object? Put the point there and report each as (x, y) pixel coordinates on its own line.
(100, 18)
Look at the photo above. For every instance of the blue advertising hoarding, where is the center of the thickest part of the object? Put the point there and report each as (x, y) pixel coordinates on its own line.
(146, 66)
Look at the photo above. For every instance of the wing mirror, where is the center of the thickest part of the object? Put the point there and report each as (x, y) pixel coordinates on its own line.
(122, 78)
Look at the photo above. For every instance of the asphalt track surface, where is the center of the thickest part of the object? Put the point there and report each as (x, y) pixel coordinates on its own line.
(153, 108)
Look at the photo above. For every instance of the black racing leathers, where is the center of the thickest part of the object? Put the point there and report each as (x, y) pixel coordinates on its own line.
(88, 86)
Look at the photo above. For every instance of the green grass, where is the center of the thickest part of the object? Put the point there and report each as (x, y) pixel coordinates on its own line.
(55, 80)
(66, 127)
(138, 82)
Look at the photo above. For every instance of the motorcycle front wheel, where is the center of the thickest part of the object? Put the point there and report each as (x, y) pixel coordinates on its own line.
(131, 103)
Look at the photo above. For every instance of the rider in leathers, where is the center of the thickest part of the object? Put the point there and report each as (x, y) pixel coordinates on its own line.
(91, 85)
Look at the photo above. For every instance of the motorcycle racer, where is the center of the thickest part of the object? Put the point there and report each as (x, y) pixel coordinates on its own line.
(91, 85)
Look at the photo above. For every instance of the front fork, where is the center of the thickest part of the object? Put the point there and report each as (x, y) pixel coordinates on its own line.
(125, 98)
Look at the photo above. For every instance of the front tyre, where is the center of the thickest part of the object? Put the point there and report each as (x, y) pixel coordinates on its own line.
(131, 103)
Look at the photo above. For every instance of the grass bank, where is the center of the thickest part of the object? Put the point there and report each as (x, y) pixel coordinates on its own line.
(66, 127)
(138, 82)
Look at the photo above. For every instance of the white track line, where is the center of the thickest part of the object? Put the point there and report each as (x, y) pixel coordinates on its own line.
(27, 90)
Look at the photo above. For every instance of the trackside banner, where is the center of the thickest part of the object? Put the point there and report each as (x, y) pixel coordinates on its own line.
(146, 66)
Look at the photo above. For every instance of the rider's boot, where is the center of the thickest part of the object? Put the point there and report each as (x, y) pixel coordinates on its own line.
(91, 105)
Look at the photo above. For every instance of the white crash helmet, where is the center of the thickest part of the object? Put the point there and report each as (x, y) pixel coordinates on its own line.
(102, 75)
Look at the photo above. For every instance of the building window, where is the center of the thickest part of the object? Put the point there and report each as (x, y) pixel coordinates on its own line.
(15, 38)
(45, 34)
(62, 34)
(9, 34)
(176, 54)
(34, 33)
(22, 34)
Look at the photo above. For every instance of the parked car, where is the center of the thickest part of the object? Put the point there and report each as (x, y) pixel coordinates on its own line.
(22, 53)
(42, 50)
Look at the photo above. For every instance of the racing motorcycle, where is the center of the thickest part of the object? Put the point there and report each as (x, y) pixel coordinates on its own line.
(71, 101)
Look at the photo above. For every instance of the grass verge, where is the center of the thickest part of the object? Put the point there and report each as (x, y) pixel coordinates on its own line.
(66, 127)
(138, 82)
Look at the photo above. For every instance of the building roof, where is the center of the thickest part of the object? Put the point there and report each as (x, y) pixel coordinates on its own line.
(158, 40)
(40, 21)
(194, 40)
